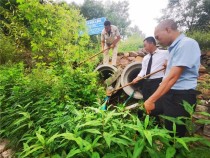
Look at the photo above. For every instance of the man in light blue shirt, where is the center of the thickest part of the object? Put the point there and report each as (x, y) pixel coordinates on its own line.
(180, 80)
(185, 52)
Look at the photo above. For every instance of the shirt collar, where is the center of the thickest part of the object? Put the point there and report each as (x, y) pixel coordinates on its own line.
(181, 36)
(154, 51)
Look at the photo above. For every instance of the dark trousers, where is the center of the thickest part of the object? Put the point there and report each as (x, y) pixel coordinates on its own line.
(171, 104)
(149, 86)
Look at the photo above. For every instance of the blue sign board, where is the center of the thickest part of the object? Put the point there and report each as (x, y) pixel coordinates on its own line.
(95, 26)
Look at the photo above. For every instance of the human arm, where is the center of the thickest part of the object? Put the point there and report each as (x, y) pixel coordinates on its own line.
(141, 73)
(102, 45)
(164, 87)
(102, 40)
(117, 38)
(135, 80)
(115, 41)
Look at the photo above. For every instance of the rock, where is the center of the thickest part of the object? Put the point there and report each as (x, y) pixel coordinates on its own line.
(203, 53)
(123, 62)
(206, 94)
(7, 154)
(199, 116)
(3, 144)
(201, 108)
(206, 130)
(131, 58)
(126, 54)
(139, 58)
(202, 69)
(133, 54)
(208, 62)
(208, 54)
(141, 53)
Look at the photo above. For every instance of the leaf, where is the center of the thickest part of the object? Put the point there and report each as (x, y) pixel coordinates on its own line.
(170, 152)
(176, 120)
(108, 138)
(40, 138)
(204, 113)
(91, 123)
(32, 149)
(56, 156)
(120, 141)
(73, 152)
(95, 142)
(148, 136)
(181, 141)
(71, 136)
(152, 153)
(94, 131)
(26, 114)
(146, 121)
(202, 121)
(95, 155)
(189, 108)
(139, 146)
(51, 139)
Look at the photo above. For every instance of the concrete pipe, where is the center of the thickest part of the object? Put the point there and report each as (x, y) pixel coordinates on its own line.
(129, 73)
(106, 71)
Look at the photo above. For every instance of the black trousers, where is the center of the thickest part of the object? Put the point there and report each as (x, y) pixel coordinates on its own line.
(171, 105)
(149, 87)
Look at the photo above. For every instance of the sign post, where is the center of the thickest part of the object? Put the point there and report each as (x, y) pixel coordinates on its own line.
(95, 26)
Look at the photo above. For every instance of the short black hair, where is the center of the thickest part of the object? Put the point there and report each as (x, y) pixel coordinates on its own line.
(107, 23)
(150, 40)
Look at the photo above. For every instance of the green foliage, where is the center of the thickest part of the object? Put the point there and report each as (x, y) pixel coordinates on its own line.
(49, 115)
(202, 37)
(132, 43)
(7, 50)
(46, 32)
(116, 12)
(92, 9)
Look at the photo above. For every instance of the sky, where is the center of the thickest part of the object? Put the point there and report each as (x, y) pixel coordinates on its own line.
(142, 13)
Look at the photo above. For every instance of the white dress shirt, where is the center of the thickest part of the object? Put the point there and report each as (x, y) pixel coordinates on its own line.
(159, 58)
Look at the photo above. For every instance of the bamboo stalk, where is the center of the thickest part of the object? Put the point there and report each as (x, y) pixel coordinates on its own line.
(94, 55)
(138, 80)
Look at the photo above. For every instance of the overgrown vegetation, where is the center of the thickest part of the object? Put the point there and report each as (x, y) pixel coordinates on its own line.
(45, 114)
(192, 17)
(133, 43)
(50, 107)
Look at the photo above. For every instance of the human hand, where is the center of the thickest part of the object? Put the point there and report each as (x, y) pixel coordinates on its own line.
(113, 45)
(149, 106)
(135, 80)
(165, 64)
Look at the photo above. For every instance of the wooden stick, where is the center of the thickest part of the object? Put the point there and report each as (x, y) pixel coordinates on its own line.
(138, 80)
(94, 55)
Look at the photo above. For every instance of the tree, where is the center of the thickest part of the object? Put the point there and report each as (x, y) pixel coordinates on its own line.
(193, 17)
(185, 12)
(46, 32)
(204, 20)
(117, 13)
(92, 9)
(134, 31)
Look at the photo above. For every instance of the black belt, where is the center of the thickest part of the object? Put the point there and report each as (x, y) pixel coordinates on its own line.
(189, 91)
(154, 79)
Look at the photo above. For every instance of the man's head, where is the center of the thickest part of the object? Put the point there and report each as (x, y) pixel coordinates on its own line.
(107, 26)
(166, 32)
(150, 44)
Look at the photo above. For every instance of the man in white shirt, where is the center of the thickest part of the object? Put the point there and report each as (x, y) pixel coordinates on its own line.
(156, 58)
(110, 37)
